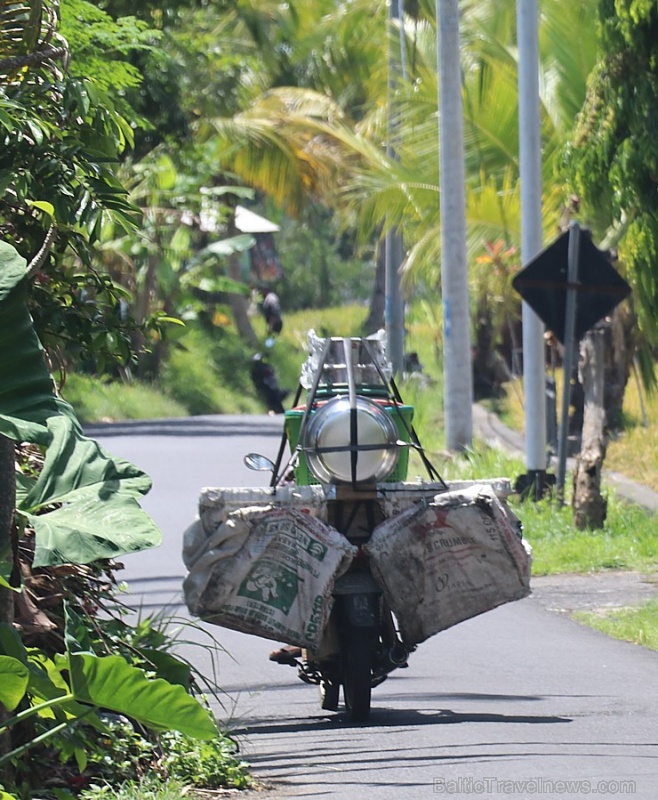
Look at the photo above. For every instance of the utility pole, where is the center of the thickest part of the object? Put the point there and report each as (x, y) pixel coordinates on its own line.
(457, 368)
(534, 371)
(394, 304)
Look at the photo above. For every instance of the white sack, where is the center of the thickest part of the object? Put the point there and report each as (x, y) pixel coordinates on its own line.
(269, 572)
(215, 505)
(442, 563)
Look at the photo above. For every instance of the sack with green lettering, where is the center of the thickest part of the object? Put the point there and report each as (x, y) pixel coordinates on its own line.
(269, 572)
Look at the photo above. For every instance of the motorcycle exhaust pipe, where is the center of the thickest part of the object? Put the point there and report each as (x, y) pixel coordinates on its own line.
(398, 654)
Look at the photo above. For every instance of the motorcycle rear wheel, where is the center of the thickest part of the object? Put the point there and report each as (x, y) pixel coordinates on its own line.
(357, 677)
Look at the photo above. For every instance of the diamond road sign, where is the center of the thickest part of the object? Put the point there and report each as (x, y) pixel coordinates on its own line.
(543, 284)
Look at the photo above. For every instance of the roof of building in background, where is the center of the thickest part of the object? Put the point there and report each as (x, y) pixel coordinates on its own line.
(248, 222)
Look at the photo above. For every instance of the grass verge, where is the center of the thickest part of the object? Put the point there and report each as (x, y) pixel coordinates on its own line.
(100, 401)
(636, 625)
(632, 451)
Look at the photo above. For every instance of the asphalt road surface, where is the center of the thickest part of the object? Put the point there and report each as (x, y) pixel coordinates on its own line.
(520, 702)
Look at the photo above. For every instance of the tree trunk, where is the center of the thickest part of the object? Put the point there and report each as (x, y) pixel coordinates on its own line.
(589, 506)
(619, 353)
(7, 507)
(375, 319)
(239, 303)
(457, 366)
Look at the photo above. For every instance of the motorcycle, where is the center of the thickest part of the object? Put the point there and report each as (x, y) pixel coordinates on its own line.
(363, 557)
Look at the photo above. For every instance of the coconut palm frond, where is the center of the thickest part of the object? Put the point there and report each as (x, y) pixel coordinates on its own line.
(422, 264)
(298, 102)
(264, 156)
(567, 57)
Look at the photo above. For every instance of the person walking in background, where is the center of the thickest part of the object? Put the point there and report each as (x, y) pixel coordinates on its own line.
(272, 312)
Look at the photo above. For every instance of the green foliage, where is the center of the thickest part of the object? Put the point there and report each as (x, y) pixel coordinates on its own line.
(70, 689)
(209, 373)
(82, 724)
(316, 246)
(637, 625)
(26, 388)
(149, 787)
(100, 516)
(612, 159)
(64, 131)
(206, 765)
(627, 540)
(100, 46)
(82, 505)
(97, 400)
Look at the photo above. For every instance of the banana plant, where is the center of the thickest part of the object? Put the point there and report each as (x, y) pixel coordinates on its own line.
(83, 506)
(72, 688)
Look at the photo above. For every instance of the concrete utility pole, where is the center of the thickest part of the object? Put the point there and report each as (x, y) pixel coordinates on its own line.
(457, 369)
(394, 304)
(534, 371)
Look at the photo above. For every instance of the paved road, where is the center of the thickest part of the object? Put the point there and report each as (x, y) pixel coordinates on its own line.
(518, 703)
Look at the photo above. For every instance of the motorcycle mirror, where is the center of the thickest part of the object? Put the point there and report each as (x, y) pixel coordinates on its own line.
(258, 463)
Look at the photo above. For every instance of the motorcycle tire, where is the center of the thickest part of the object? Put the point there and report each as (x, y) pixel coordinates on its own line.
(357, 677)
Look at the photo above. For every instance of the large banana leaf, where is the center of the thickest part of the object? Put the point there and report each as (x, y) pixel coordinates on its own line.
(110, 682)
(65, 687)
(27, 396)
(14, 682)
(98, 515)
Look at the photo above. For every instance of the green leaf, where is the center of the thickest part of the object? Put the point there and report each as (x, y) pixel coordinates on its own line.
(46, 684)
(111, 683)
(163, 318)
(36, 131)
(225, 247)
(95, 523)
(26, 387)
(11, 643)
(74, 461)
(22, 431)
(13, 682)
(167, 666)
(220, 283)
(42, 205)
(5, 572)
(6, 120)
(76, 634)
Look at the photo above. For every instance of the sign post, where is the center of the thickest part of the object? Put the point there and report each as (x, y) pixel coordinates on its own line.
(555, 284)
(569, 348)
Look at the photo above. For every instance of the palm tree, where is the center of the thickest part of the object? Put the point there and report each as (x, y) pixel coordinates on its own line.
(325, 136)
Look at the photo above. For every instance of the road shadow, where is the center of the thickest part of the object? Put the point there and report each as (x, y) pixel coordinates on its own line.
(395, 718)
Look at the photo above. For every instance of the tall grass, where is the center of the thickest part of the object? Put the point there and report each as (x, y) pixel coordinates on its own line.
(633, 450)
(210, 374)
(100, 401)
(637, 625)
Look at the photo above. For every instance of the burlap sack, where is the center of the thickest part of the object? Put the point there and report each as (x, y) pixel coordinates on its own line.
(269, 572)
(444, 562)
